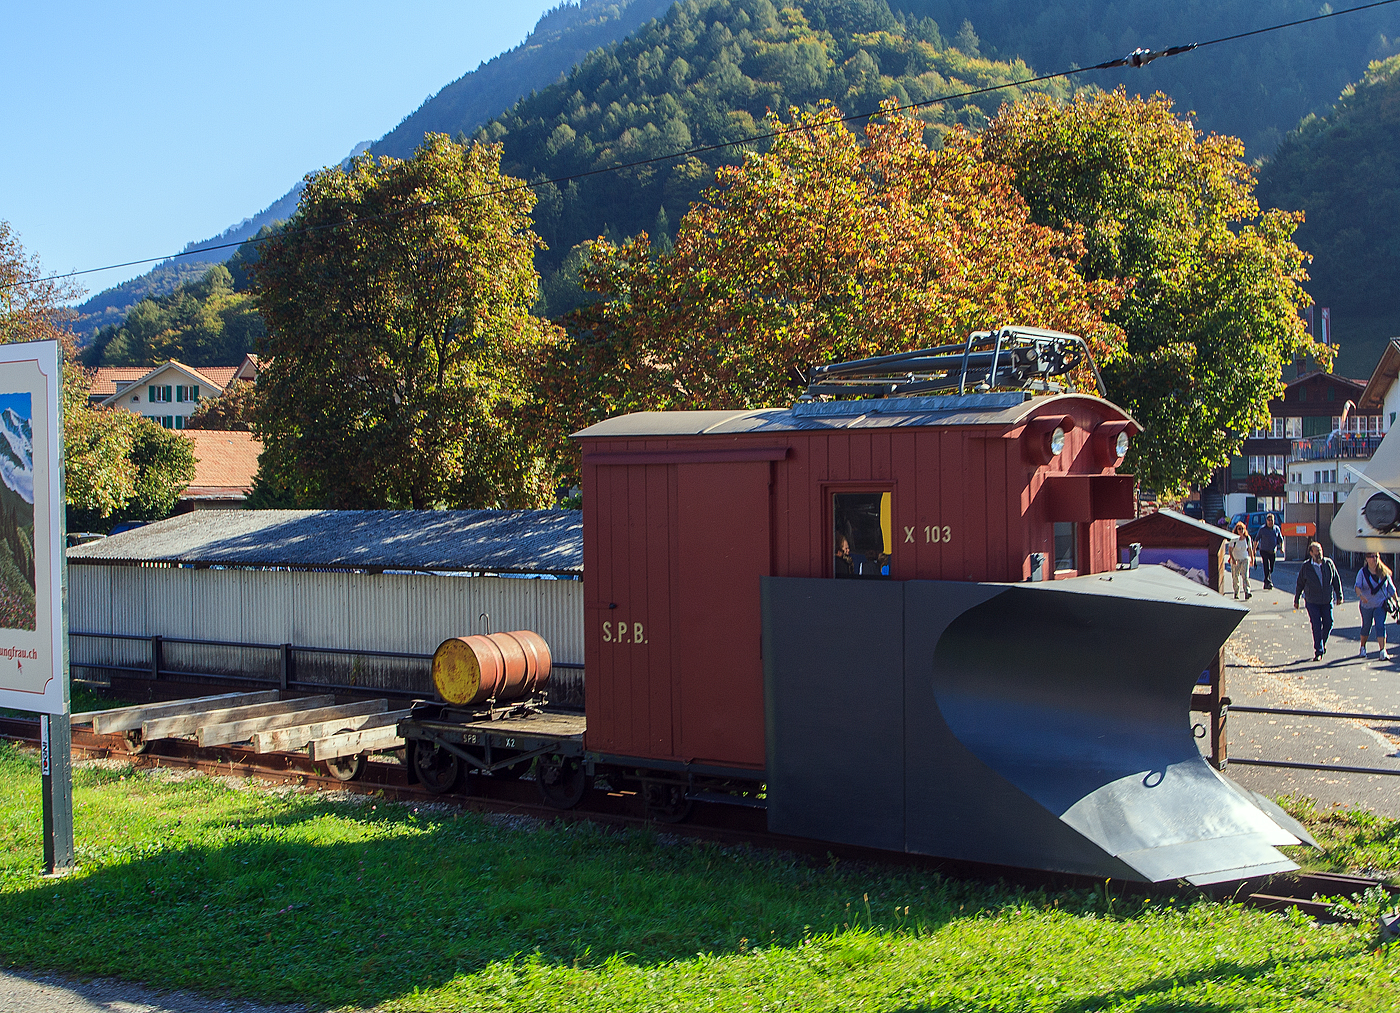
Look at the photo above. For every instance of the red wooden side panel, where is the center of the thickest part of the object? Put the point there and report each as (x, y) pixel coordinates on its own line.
(959, 529)
(724, 547)
(628, 587)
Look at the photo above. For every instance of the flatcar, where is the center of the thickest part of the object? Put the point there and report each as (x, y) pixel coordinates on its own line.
(892, 615)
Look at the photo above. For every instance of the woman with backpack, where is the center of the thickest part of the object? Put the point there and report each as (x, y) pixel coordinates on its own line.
(1374, 591)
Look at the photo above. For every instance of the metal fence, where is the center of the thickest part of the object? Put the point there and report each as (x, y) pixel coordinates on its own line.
(354, 631)
(1336, 446)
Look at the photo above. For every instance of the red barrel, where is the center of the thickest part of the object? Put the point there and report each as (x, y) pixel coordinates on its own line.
(500, 666)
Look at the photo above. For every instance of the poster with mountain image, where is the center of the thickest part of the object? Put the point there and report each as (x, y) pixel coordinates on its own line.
(16, 512)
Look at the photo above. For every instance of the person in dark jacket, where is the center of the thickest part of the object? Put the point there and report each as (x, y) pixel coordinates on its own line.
(1268, 542)
(1321, 586)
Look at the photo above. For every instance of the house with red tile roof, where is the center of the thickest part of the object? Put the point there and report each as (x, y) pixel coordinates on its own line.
(168, 393)
(225, 463)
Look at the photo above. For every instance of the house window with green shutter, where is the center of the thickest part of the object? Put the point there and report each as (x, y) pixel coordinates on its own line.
(1239, 467)
(194, 393)
(1316, 425)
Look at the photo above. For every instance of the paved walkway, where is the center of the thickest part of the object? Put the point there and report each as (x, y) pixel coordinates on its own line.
(22, 992)
(1270, 665)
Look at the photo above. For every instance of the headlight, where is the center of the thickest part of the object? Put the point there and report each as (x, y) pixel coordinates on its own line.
(1057, 441)
(1120, 445)
(1382, 512)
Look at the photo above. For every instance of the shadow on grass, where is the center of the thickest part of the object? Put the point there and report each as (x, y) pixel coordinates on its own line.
(280, 909)
(366, 902)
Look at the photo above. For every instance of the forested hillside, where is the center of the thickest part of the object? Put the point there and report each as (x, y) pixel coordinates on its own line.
(210, 321)
(708, 73)
(562, 38)
(1255, 89)
(1343, 170)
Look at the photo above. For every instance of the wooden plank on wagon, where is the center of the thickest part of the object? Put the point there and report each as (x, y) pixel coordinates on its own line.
(297, 736)
(366, 740)
(188, 724)
(241, 731)
(125, 719)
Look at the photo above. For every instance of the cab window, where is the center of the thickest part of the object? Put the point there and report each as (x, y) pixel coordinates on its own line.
(862, 538)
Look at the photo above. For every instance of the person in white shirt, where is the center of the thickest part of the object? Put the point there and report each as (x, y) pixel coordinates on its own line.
(1241, 558)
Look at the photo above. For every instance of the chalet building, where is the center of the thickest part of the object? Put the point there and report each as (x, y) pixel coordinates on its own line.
(1294, 466)
(168, 393)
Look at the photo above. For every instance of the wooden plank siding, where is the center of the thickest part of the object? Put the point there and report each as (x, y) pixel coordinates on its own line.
(679, 546)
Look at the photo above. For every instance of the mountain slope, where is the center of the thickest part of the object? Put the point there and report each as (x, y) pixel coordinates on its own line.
(705, 74)
(1256, 89)
(562, 37)
(1343, 171)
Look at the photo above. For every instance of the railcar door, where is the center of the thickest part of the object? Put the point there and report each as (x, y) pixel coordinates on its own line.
(723, 549)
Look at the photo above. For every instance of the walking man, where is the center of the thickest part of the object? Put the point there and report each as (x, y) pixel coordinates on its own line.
(1268, 545)
(1321, 585)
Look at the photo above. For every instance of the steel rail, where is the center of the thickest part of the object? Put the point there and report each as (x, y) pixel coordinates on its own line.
(1307, 892)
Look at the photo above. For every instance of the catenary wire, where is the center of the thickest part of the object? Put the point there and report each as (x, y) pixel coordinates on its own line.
(1138, 58)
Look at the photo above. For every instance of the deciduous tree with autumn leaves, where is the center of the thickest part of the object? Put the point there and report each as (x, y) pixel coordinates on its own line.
(1106, 216)
(1211, 310)
(829, 246)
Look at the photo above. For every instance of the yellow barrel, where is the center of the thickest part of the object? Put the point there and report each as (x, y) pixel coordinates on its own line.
(501, 666)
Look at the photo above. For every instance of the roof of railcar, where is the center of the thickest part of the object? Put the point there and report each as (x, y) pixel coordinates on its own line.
(994, 409)
(480, 541)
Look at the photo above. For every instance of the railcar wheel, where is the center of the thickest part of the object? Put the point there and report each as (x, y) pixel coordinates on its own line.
(666, 803)
(561, 779)
(135, 743)
(438, 770)
(346, 768)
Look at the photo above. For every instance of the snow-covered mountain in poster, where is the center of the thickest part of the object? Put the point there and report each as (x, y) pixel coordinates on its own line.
(17, 454)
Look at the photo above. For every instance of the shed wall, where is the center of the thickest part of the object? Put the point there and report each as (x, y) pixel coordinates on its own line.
(368, 612)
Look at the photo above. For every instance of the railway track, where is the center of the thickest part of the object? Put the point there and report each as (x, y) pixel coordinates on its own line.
(1312, 893)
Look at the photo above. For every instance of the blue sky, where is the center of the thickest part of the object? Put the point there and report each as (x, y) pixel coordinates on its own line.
(17, 403)
(129, 130)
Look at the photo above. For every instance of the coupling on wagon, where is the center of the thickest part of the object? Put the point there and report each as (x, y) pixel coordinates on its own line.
(891, 614)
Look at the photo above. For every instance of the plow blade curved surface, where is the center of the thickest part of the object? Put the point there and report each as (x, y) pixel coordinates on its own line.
(1041, 725)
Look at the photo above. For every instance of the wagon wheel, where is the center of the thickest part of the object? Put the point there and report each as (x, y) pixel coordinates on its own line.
(437, 769)
(666, 803)
(135, 742)
(346, 768)
(561, 779)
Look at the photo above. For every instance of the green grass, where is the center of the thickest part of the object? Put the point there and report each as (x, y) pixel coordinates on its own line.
(257, 895)
(1352, 840)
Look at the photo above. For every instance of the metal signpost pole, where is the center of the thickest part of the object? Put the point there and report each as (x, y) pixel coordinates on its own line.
(56, 765)
(33, 574)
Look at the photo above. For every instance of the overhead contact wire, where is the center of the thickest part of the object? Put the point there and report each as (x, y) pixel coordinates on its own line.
(1137, 58)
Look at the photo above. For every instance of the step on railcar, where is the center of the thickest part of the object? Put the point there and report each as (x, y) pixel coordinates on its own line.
(894, 620)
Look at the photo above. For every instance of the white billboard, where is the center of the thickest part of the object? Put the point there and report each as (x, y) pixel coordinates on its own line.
(32, 634)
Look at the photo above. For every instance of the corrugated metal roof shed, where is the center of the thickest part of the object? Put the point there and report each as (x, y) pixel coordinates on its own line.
(492, 541)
